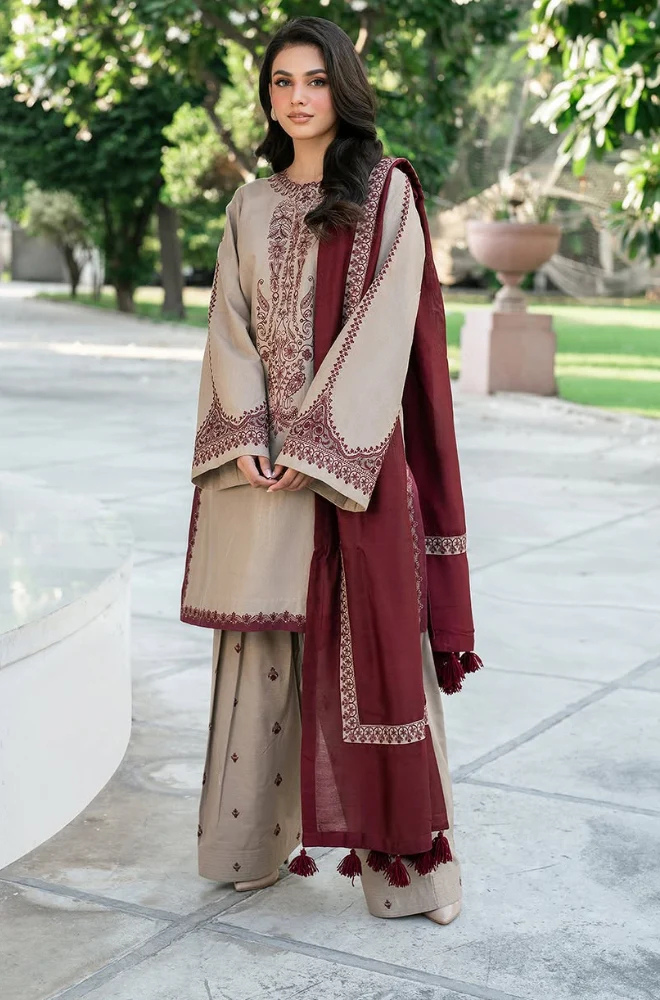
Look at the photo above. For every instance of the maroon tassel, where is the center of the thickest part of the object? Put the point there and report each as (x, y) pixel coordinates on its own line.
(424, 863)
(303, 865)
(449, 672)
(378, 861)
(397, 874)
(441, 850)
(350, 866)
(471, 662)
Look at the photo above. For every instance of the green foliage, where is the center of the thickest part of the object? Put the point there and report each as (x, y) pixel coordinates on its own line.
(56, 215)
(93, 62)
(113, 169)
(636, 217)
(609, 94)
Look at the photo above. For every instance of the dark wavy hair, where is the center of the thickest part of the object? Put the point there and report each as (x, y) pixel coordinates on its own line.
(355, 149)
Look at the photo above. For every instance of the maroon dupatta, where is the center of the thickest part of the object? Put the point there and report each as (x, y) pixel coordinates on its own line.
(378, 579)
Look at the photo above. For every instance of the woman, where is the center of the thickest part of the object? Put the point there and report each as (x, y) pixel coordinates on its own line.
(327, 550)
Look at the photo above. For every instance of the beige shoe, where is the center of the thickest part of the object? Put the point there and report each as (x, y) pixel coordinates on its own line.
(445, 914)
(258, 883)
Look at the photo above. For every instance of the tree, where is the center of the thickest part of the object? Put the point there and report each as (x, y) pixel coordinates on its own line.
(608, 99)
(58, 216)
(85, 59)
(416, 54)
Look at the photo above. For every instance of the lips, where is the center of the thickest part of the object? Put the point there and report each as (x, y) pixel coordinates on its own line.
(300, 118)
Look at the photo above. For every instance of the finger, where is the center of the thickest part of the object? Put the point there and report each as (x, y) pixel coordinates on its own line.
(298, 483)
(278, 470)
(264, 465)
(284, 482)
(248, 467)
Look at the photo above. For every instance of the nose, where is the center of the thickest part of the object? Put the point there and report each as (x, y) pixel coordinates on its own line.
(297, 94)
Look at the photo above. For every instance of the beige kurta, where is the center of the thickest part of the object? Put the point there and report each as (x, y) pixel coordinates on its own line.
(250, 551)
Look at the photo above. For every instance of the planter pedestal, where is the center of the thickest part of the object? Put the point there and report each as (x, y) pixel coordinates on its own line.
(508, 352)
(508, 349)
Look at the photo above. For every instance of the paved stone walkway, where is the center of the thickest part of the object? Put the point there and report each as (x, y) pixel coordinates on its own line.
(555, 747)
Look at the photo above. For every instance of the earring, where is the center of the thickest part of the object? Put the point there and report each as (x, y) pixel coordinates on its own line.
(273, 115)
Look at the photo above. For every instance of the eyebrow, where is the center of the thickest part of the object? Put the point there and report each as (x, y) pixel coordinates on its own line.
(310, 72)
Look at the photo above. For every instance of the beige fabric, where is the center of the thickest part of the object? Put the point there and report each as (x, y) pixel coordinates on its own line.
(250, 551)
(249, 815)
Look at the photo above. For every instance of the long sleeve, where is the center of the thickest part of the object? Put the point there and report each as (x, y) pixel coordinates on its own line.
(346, 420)
(232, 416)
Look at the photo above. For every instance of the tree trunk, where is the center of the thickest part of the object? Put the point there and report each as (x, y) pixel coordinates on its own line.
(170, 260)
(124, 295)
(73, 267)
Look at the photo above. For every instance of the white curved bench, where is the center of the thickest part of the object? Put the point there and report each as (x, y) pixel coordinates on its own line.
(65, 686)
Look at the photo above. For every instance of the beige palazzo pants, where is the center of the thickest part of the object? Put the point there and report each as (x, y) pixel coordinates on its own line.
(249, 813)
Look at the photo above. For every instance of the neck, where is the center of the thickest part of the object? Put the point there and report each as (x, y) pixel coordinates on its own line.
(308, 157)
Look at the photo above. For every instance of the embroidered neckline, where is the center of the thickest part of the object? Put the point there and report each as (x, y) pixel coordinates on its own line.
(283, 184)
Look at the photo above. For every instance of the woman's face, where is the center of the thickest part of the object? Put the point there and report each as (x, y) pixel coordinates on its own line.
(299, 85)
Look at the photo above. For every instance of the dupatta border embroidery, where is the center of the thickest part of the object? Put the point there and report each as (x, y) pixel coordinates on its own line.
(414, 528)
(446, 545)
(314, 436)
(361, 248)
(354, 731)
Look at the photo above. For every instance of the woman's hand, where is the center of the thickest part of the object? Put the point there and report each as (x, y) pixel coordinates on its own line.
(256, 470)
(291, 480)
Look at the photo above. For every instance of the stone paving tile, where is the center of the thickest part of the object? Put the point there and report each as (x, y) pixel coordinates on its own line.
(164, 646)
(204, 966)
(609, 750)
(582, 642)
(561, 901)
(495, 707)
(49, 942)
(137, 840)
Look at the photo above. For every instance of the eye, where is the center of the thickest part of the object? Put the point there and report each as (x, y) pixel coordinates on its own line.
(281, 80)
(319, 80)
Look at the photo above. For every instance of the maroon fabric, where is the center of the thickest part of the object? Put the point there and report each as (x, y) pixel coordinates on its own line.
(382, 794)
(431, 451)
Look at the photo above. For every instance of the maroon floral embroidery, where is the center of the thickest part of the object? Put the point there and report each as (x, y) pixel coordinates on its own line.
(450, 545)
(273, 674)
(277, 830)
(234, 757)
(236, 866)
(278, 779)
(353, 729)
(235, 813)
(220, 433)
(192, 532)
(284, 326)
(237, 647)
(314, 438)
(277, 728)
(361, 249)
(388, 904)
(261, 621)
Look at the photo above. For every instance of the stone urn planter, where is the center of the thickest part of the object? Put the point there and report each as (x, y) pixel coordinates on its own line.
(512, 249)
(507, 349)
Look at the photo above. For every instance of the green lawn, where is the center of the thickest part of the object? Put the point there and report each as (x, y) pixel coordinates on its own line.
(607, 356)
